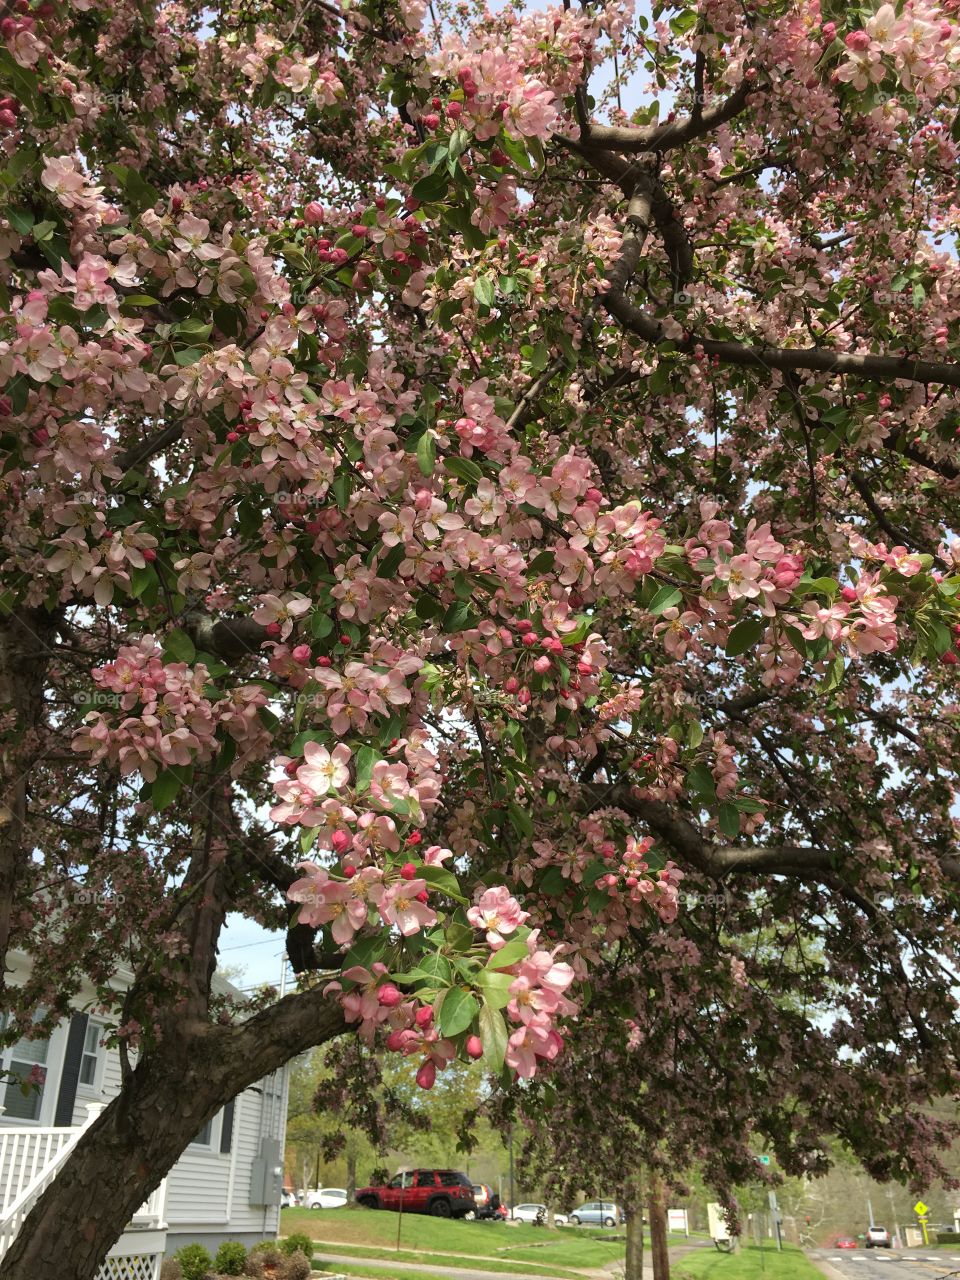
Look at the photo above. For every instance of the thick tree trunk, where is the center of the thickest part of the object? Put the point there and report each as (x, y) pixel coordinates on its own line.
(25, 639)
(126, 1153)
(633, 1207)
(657, 1211)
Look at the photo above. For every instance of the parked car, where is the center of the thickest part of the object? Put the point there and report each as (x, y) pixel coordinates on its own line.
(288, 1199)
(877, 1238)
(445, 1193)
(600, 1213)
(535, 1213)
(487, 1201)
(325, 1198)
(845, 1242)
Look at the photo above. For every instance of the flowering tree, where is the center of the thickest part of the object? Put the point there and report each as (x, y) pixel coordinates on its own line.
(479, 488)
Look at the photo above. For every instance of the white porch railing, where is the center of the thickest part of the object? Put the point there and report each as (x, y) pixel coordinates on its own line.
(30, 1160)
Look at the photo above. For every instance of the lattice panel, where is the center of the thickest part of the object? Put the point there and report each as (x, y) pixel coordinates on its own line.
(134, 1266)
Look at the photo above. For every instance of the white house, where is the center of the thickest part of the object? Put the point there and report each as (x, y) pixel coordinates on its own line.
(226, 1185)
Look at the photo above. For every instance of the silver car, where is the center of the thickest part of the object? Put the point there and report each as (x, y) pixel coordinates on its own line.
(598, 1213)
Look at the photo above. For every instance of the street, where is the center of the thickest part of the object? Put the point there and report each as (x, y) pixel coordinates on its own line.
(876, 1264)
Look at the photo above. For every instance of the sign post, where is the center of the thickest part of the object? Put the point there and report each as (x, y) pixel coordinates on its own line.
(921, 1210)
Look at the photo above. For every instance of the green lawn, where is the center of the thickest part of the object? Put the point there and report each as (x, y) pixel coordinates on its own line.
(520, 1242)
(750, 1262)
(496, 1265)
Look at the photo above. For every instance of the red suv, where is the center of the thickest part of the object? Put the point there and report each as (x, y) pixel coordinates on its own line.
(442, 1192)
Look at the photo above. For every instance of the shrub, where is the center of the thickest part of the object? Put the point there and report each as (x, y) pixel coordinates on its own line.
(230, 1258)
(296, 1266)
(194, 1261)
(298, 1242)
(265, 1260)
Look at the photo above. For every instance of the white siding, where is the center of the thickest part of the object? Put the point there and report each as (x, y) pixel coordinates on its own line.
(206, 1191)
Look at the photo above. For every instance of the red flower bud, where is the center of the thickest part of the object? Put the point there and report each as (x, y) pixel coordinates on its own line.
(389, 995)
(424, 1015)
(408, 871)
(474, 1046)
(427, 1075)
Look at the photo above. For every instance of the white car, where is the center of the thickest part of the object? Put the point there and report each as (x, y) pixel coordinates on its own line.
(325, 1198)
(288, 1200)
(535, 1213)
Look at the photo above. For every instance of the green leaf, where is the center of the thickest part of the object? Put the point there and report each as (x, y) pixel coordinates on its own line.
(366, 758)
(744, 636)
(495, 987)
(427, 453)
(520, 819)
(308, 838)
(138, 193)
(178, 646)
(493, 1033)
(460, 937)
(483, 291)
(463, 469)
(388, 566)
(442, 880)
(834, 676)
(729, 817)
(433, 186)
(509, 954)
(458, 617)
(457, 1012)
(165, 788)
(437, 967)
(700, 780)
(665, 598)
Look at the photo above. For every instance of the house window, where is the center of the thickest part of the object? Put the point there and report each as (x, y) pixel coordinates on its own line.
(26, 1061)
(204, 1137)
(90, 1058)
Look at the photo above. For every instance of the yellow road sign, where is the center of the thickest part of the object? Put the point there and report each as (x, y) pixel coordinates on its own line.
(921, 1209)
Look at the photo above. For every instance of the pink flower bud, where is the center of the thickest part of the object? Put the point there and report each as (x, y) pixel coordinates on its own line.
(273, 629)
(430, 121)
(594, 496)
(313, 214)
(542, 665)
(454, 110)
(149, 555)
(427, 1075)
(389, 995)
(424, 1015)
(301, 653)
(349, 870)
(511, 684)
(408, 871)
(529, 639)
(341, 841)
(474, 1046)
(849, 594)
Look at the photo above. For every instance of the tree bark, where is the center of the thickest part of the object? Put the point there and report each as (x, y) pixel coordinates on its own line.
(633, 1206)
(25, 639)
(657, 1210)
(179, 1085)
(351, 1172)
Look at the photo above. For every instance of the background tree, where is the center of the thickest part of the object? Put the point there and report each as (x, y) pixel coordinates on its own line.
(523, 496)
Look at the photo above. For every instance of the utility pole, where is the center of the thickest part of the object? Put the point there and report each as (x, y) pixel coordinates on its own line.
(513, 1202)
(870, 1212)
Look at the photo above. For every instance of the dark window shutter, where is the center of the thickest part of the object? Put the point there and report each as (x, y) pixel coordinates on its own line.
(70, 1075)
(226, 1129)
